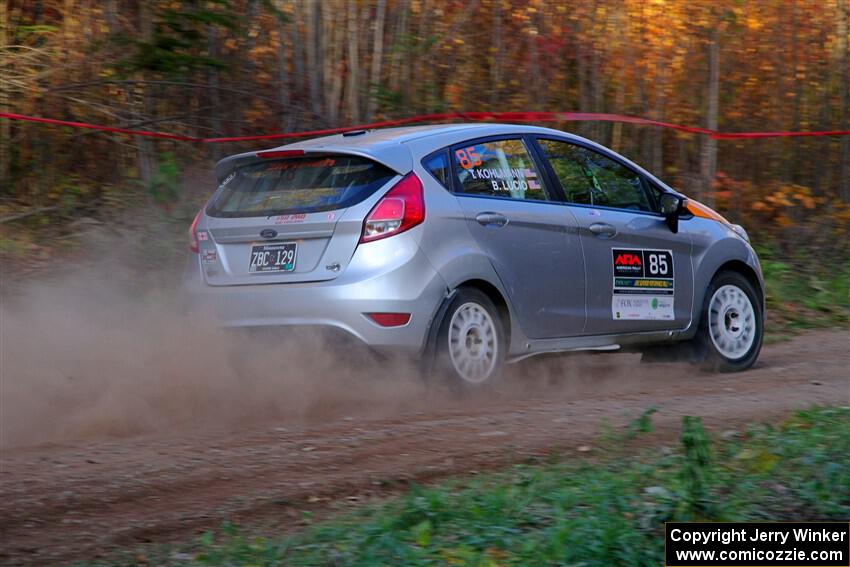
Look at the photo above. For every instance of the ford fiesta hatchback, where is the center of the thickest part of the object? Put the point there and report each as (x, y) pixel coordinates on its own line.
(474, 245)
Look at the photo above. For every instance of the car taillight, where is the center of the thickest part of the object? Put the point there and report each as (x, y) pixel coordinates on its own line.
(193, 234)
(402, 208)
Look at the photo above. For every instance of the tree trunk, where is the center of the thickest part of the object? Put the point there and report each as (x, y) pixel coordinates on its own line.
(638, 59)
(798, 147)
(300, 86)
(498, 53)
(534, 63)
(419, 98)
(400, 46)
(662, 72)
(597, 94)
(111, 14)
(844, 73)
(214, 93)
(245, 68)
(5, 106)
(584, 98)
(708, 163)
(353, 74)
(332, 49)
(283, 75)
(617, 127)
(147, 160)
(314, 70)
(377, 59)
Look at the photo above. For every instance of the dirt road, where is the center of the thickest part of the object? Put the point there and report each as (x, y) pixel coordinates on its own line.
(85, 498)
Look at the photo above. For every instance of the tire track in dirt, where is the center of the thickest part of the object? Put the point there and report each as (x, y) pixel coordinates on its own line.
(83, 499)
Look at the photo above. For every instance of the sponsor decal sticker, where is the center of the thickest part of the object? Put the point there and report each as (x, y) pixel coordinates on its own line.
(300, 163)
(507, 179)
(642, 307)
(227, 180)
(289, 219)
(203, 236)
(644, 284)
(209, 257)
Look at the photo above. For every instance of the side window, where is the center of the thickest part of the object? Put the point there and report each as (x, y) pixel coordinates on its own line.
(501, 168)
(568, 163)
(655, 193)
(438, 166)
(589, 178)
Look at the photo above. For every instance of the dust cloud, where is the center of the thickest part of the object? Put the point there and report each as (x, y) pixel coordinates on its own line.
(106, 350)
(102, 347)
(83, 357)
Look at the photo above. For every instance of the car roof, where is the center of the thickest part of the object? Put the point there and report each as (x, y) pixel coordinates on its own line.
(388, 145)
(397, 147)
(383, 137)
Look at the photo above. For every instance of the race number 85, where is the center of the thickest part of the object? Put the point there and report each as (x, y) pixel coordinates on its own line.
(468, 157)
(657, 264)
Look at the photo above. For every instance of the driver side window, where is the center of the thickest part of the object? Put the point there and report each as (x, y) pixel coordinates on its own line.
(590, 178)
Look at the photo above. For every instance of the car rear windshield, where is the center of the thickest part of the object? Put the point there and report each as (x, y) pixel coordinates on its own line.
(298, 185)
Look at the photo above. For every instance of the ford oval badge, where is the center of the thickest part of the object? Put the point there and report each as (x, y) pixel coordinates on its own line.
(268, 233)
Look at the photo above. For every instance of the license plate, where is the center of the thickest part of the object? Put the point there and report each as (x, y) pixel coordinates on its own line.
(273, 257)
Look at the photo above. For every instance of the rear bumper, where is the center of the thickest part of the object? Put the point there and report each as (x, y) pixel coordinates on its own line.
(391, 275)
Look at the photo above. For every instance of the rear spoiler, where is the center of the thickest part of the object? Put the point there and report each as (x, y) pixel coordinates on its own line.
(393, 160)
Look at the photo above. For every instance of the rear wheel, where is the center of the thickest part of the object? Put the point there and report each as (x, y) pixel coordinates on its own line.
(471, 342)
(732, 325)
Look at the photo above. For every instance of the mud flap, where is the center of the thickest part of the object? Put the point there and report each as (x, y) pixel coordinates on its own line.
(429, 355)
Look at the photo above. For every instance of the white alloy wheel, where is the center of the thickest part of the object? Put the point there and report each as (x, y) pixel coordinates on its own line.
(473, 343)
(731, 322)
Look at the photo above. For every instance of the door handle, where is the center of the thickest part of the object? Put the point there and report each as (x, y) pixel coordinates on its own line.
(491, 219)
(603, 229)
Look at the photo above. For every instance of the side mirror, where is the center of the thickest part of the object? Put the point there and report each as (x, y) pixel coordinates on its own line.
(671, 206)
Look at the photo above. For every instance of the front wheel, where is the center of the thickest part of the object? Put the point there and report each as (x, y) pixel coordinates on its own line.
(732, 325)
(471, 342)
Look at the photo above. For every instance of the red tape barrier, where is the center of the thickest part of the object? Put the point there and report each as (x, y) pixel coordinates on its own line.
(441, 117)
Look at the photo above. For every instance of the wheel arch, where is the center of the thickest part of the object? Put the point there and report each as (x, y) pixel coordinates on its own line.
(730, 265)
(745, 270)
(715, 255)
(487, 288)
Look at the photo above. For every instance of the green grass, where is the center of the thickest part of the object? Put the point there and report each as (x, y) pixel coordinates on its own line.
(800, 297)
(609, 512)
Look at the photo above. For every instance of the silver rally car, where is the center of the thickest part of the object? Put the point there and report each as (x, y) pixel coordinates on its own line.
(473, 245)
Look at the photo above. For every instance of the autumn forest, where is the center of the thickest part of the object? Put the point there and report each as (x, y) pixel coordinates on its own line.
(244, 67)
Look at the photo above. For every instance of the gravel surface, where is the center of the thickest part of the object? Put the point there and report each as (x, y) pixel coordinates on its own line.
(85, 497)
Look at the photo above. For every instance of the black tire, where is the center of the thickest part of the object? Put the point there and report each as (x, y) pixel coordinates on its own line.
(723, 337)
(470, 338)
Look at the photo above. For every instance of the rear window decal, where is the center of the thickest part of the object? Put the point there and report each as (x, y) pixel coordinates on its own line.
(644, 284)
(500, 168)
(227, 180)
(281, 165)
(468, 157)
